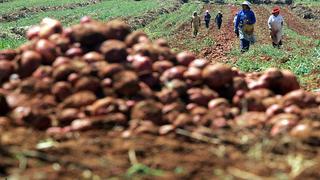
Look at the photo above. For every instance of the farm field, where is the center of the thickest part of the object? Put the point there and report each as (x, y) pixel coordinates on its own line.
(237, 147)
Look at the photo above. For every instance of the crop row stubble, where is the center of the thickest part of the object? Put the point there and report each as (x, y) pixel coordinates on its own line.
(94, 73)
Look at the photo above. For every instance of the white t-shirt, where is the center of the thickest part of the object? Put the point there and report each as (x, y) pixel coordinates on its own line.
(275, 22)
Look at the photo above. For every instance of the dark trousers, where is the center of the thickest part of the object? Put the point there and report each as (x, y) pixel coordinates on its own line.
(277, 45)
(244, 45)
(219, 24)
(207, 23)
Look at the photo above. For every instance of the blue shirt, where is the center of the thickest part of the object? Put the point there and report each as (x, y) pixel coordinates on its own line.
(244, 17)
(207, 17)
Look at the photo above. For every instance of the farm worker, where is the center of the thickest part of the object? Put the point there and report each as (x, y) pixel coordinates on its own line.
(275, 24)
(219, 19)
(244, 26)
(195, 23)
(235, 18)
(207, 18)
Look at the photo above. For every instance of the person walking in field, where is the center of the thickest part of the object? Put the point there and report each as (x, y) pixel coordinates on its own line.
(207, 18)
(218, 19)
(275, 24)
(244, 26)
(195, 23)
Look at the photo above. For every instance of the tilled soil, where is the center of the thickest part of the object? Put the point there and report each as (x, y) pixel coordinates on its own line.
(299, 25)
(23, 12)
(103, 153)
(224, 38)
(148, 17)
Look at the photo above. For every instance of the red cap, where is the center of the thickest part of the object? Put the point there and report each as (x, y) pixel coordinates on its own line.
(276, 10)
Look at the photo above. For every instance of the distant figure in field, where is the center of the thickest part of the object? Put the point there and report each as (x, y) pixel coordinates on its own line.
(218, 19)
(244, 26)
(195, 23)
(207, 18)
(275, 24)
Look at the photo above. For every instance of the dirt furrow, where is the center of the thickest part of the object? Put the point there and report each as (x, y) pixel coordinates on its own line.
(24, 12)
(261, 27)
(224, 38)
(143, 20)
(299, 25)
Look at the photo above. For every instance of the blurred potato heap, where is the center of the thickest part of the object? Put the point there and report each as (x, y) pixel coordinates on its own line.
(95, 74)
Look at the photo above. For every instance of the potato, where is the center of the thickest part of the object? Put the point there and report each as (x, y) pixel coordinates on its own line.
(74, 52)
(142, 64)
(92, 57)
(199, 63)
(4, 107)
(300, 98)
(185, 58)
(183, 120)
(201, 96)
(79, 100)
(161, 66)
(253, 100)
(217, 76)
(88, 83)
(251, 119)
(173, 73)
(147, 110)
(133, 38)
(193, 74)
(8, 54)
(282, 124)
(117, 30)
(61, 90)
(47, 50)
(30, 61)
(126, 83)
(62, 72)
(104, 106)
(6, 69)
(33, 32)
(66, 116)
(218, 102)
(114, 51)
(88, 34)
(166, 96)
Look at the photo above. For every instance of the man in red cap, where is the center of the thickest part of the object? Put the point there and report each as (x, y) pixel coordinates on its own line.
(275, 24)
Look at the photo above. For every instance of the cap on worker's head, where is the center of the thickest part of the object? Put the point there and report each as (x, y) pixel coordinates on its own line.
(207, 11)
(195, 13)
(276, 10)
(246, 3)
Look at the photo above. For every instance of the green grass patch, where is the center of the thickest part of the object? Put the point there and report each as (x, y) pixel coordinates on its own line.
(10, 43)
(143, 170)
(196, 46)
(10, 6)
(168, 24)
(102, 11)
(307, 2)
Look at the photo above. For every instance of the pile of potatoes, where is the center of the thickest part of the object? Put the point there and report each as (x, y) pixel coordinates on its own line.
(95, 74)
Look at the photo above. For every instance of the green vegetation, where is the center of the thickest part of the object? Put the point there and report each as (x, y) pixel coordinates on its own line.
(7, 43)
(141, 169)
(10, 6)
(307, 2)
(299, 54)
(168, 24)
(104, 10)
(196, 46)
